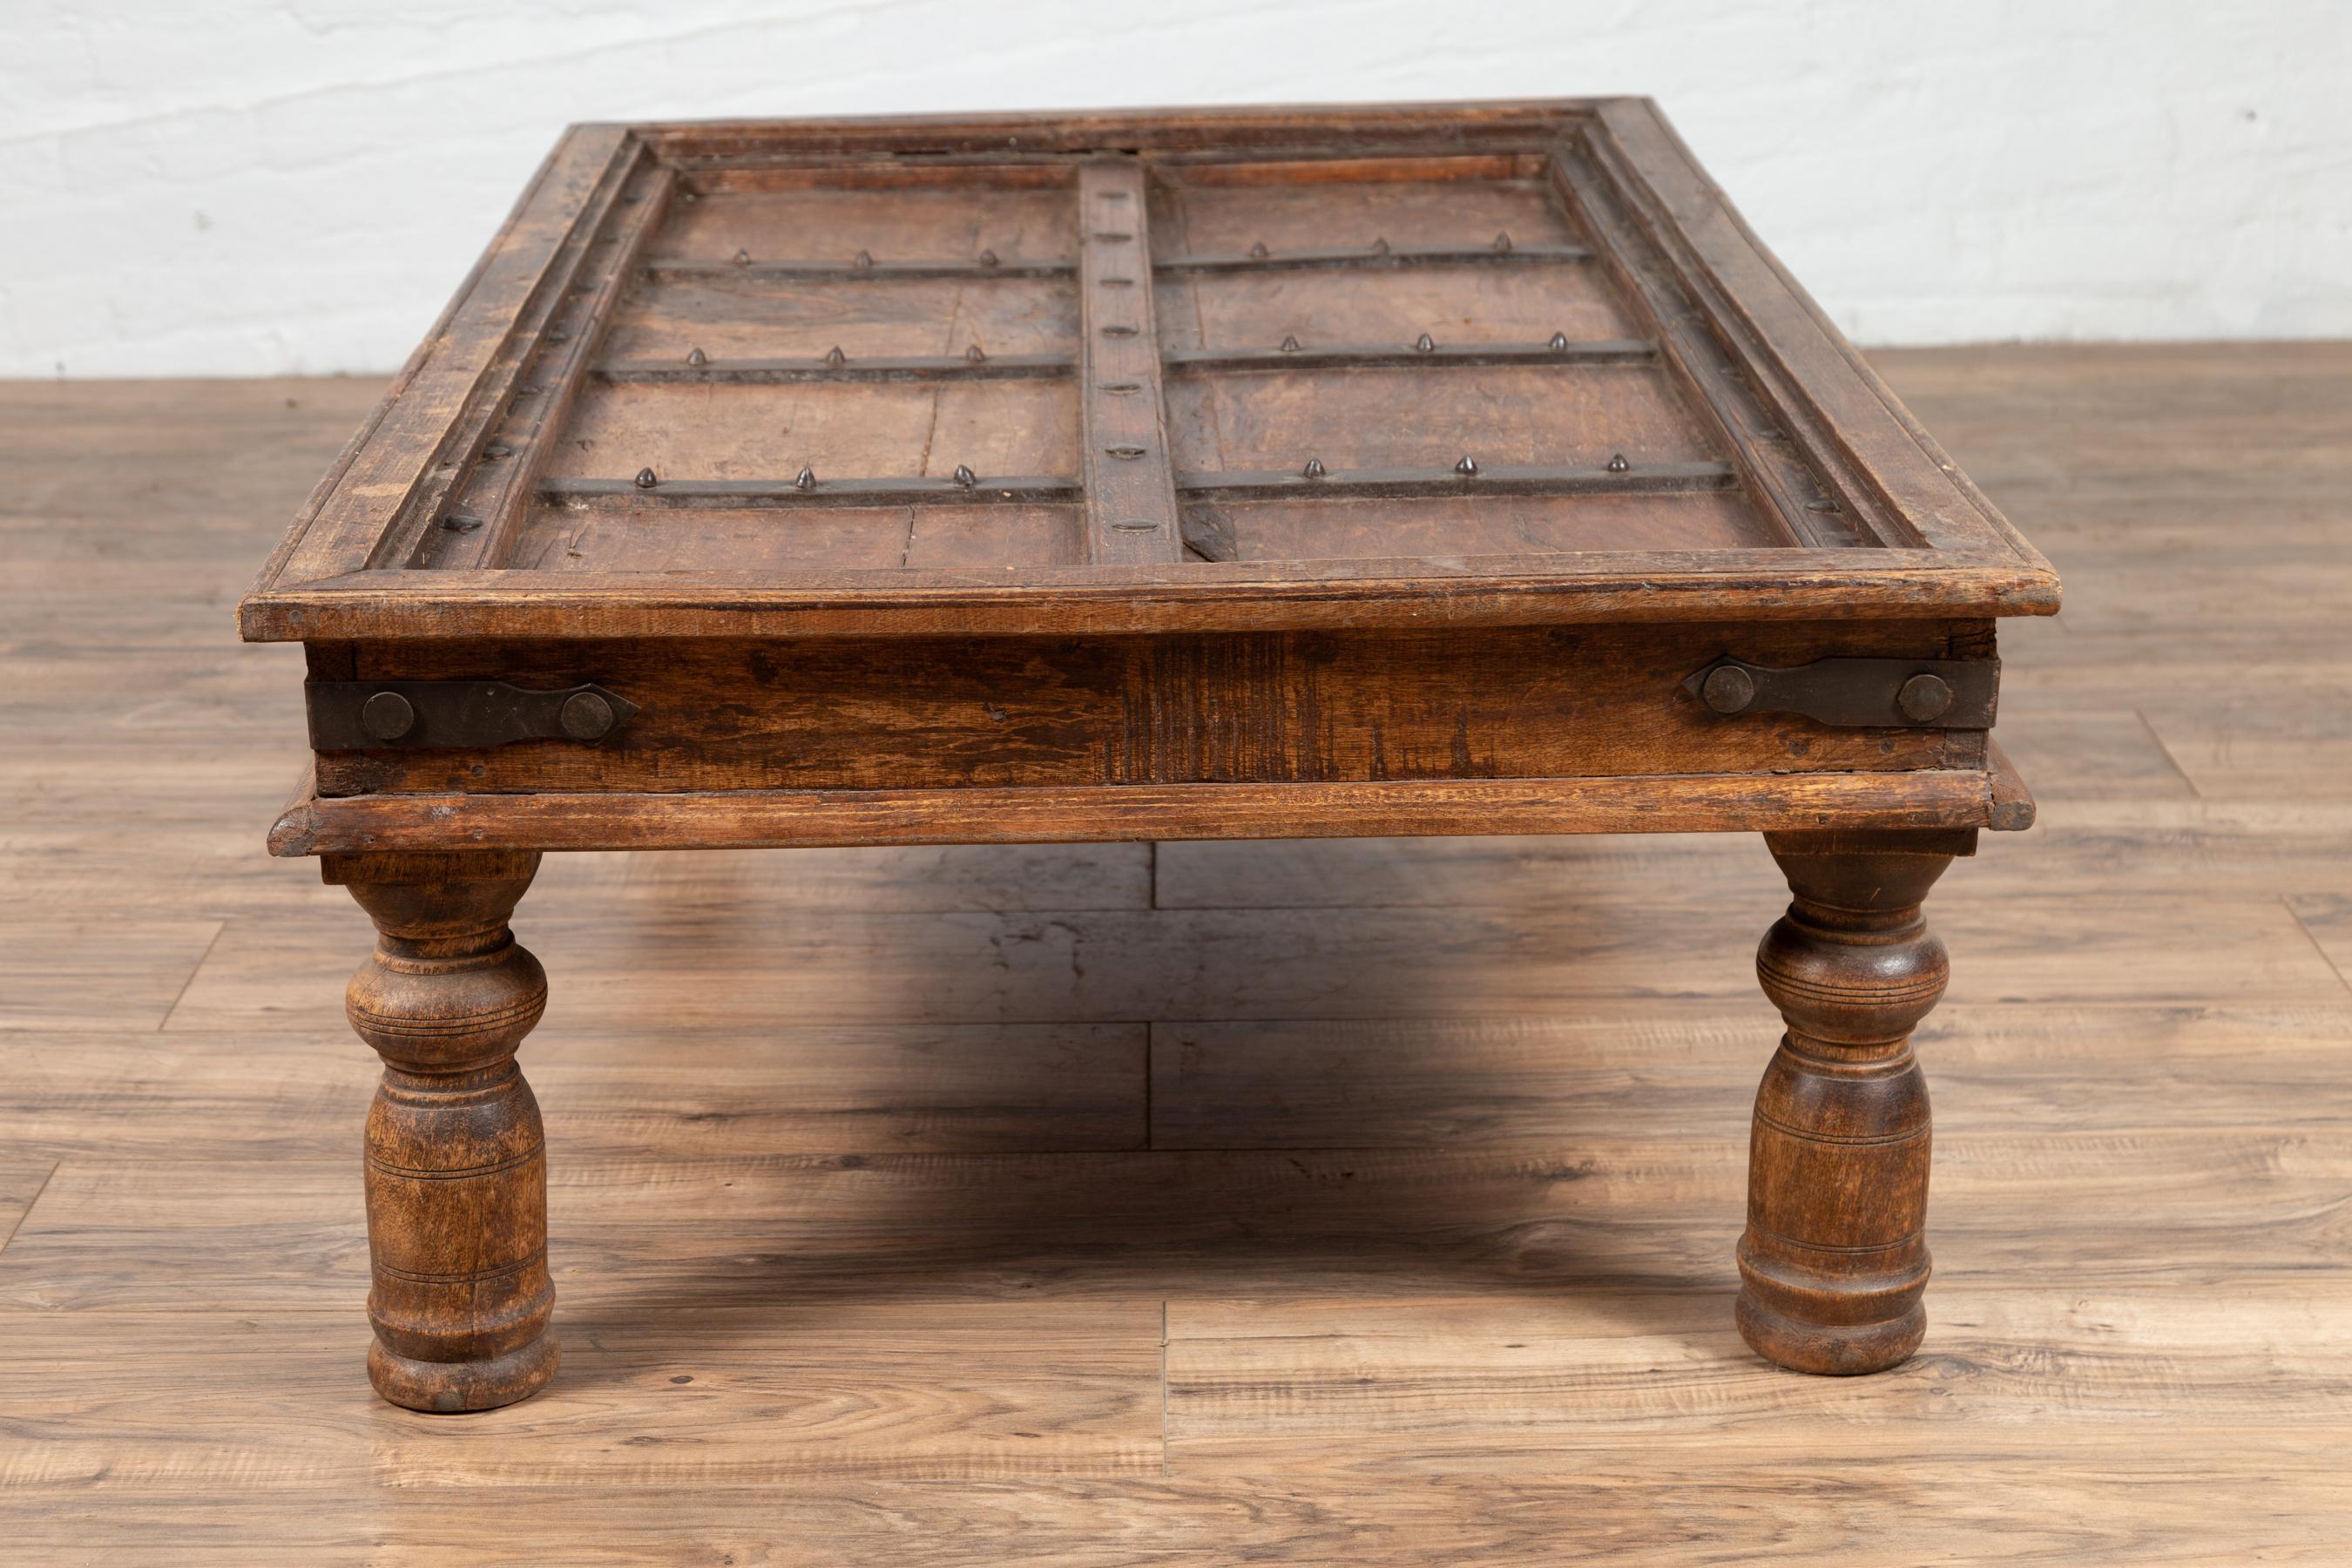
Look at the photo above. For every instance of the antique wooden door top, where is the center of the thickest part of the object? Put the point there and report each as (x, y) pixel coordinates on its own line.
(1213, 370)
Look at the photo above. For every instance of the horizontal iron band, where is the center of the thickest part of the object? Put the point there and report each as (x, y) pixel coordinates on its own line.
(1179, 361)
(1364, 356)
(812, 270)
(1363, 256)
(779, 371)
(1502, 479)
(705, 495)
(1638, 478)
(817, 271)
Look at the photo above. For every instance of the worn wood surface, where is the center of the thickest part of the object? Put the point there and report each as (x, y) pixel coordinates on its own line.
(1364, 1201)
(1317, 366)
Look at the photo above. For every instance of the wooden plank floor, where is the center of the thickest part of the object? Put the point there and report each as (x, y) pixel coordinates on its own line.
(1318, 1202)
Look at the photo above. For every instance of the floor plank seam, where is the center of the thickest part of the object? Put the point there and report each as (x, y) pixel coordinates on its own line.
(2296, 915)
(51, 1175)
(2157, 735)
(194, 969)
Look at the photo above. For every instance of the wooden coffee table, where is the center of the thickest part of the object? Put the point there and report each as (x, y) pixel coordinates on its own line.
(1259, 473)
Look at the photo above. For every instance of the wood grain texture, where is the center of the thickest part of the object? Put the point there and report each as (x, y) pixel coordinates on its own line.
(1441, 1283)
(456, 1163)
(1422, 279)
(856, 715)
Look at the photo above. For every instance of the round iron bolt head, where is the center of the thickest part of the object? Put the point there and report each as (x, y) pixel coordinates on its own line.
(586, 716)
(1924, 697)
(387, 716)
(1729, 690)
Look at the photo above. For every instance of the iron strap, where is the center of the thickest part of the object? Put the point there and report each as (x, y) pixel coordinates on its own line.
(419, 715)
(1857, 693)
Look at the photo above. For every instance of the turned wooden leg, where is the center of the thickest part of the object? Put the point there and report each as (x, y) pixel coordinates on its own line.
(455, 1163)
(1834, 1261)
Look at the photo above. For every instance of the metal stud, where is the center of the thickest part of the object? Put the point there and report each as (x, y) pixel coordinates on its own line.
(1128, 452)
(833, 356)
(1502, 243)
(497, 449)
(1258, 252)
(965, 477)
(975, 354)
(461, 522)
(1314, 469)
(1924, 698)
(1380, 245)
(863, 260)
(742, 259)
(1617, 463)
(1468, 468)
(645, 480)
(1426, 343)
(1558, 341)
(805, 479)
(557, 336)
(1289, 345)
(988, 258)
(696, 356)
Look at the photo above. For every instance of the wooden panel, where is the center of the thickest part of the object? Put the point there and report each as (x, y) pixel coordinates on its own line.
(753, 317)
(606, 539)
(894, 223)
(1493, 415)
(586, 538)
(1130, 498)
(1472, 210)
(841, 432)
(1454, 305)
(1305, 531)
(861, 714)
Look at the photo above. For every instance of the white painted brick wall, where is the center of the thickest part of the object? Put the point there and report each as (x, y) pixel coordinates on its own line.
(257, 186)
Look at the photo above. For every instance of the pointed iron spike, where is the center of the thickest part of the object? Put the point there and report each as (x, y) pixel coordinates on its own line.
(835, 356)
(1426, 343)
(645, 480)
(742, 259)
(965, 477)
(1258, 252)
(1314, 469)
(1289, 345)
(988, 258)
(1558, 341)
(1503, 242)
(1468, 468)
(863, 259)
(974, 354)
(1617, 463)
(1380, 245)
(805, 479)
(696, 356)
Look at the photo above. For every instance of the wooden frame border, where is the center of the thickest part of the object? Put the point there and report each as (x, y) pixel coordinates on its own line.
(311, 824)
